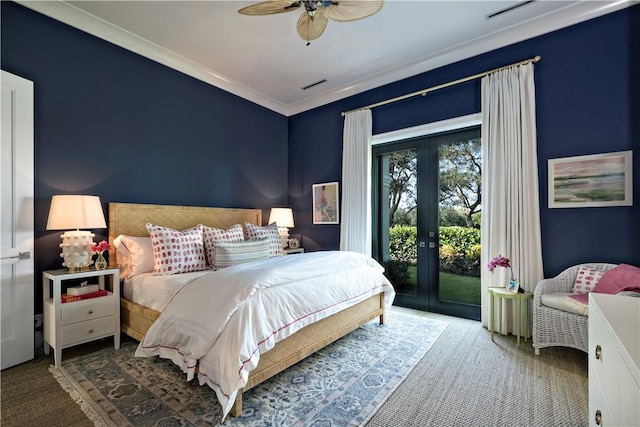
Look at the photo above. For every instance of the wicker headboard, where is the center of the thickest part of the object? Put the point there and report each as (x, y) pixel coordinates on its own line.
(130, 219)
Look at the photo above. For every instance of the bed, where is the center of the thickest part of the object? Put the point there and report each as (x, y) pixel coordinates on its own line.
(131, 219)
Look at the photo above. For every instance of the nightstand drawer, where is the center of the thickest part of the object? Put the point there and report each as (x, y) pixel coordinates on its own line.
(80, 311)
(88, 330)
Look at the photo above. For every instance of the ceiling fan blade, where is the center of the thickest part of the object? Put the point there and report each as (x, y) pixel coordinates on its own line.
(351, 10)
(311, 27)
(270, 7)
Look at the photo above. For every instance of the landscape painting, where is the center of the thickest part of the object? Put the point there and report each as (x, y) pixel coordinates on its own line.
(591, 181)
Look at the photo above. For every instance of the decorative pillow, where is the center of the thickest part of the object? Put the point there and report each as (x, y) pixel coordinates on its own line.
(214, 235)
(565, 302)
(177, 251)
(227, 254)
(134, 255)
(269, 232)
(586, 280)
(623, 277)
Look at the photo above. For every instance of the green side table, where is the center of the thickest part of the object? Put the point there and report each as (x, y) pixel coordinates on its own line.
(503, 293)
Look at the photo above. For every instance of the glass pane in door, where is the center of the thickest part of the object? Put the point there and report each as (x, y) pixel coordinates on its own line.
(459, 182)
(398, 218)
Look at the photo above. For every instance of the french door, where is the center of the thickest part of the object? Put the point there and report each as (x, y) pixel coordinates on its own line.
(426, 220)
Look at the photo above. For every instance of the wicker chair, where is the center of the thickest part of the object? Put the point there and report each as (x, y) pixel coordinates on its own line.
(553, 327)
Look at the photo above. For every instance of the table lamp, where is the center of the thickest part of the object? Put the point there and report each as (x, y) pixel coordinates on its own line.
(75, 211)
(283, 217)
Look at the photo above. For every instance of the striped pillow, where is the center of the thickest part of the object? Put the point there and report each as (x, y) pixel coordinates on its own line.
(227, 254)
(270, 232)
(214, 235)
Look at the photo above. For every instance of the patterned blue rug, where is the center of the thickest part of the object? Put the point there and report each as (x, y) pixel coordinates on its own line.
(342, 385)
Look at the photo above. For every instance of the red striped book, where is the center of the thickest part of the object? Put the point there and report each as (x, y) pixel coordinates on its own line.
(69, 298)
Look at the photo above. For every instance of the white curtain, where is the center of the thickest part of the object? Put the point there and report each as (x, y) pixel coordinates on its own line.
(510, 197)
(355, 224)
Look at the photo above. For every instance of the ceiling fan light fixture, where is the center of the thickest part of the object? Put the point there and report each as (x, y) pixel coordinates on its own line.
(313, 20)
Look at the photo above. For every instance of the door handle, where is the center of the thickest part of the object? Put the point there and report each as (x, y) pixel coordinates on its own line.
(432, 245)
(21, 255)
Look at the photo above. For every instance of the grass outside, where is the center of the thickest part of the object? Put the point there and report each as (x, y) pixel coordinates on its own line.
(454, 288)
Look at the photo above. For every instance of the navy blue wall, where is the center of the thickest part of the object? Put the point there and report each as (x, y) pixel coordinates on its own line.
(111, 123)
(588, 101)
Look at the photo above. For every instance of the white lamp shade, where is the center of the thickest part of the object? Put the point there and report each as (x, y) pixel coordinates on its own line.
(281, 216)
(71, 211)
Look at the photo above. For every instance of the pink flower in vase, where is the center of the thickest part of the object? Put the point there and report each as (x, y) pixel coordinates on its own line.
(500, 261)
(101, 247)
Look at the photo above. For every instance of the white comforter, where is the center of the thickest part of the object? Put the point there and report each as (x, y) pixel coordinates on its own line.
(225, 319)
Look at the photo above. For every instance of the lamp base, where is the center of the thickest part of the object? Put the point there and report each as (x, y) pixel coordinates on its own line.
(284, 236)
(76, 250)
(78, 269)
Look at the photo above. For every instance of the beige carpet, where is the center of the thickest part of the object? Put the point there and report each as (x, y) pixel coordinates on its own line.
(467, 380)
(464, 380)
(32, 397)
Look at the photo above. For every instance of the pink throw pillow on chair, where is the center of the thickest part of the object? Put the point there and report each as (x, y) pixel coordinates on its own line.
(624, 277)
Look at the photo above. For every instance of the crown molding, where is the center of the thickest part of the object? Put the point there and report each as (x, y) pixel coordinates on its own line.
(571, 14)
(560, 18)
(77, 18)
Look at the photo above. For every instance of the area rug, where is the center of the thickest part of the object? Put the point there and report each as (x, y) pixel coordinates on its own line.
(343, 384)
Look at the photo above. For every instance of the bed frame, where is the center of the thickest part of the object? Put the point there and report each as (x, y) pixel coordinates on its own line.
(131, 219)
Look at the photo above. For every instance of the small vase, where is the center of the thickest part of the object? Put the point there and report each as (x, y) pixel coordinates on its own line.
(101, 263)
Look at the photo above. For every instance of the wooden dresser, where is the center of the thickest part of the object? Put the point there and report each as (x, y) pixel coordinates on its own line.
(614, 360)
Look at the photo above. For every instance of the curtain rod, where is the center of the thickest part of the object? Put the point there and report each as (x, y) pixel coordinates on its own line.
(423, 92)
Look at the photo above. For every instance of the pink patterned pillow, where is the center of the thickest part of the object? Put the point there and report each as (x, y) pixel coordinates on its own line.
(214, 235)
(586, 280)
(270, 232)
(177, 251)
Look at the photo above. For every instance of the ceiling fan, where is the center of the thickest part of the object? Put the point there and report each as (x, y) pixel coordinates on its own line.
(314, 19)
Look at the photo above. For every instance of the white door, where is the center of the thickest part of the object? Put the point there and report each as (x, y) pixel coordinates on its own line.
(16, 221)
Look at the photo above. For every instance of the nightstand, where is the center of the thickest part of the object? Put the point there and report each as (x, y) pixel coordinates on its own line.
(77, 322)
(294, 251)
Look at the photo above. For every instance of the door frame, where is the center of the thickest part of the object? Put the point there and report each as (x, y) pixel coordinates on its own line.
(431, 135)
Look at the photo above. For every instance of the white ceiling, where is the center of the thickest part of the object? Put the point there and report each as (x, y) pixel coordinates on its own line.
(262, 59)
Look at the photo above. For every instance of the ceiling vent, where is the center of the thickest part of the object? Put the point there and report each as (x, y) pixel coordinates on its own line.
(508, 9)
(314, 84)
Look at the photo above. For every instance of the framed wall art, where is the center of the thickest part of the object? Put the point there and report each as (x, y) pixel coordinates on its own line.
(325, 203)
(595, 180)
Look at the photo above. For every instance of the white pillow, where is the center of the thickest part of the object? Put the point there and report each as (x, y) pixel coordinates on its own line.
(214, 235)
(269, 232)
(586, 280)
(134, 255)
(227, 254)
(563, 301)
(177, 251)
